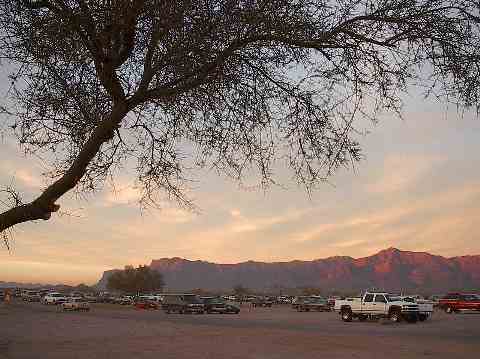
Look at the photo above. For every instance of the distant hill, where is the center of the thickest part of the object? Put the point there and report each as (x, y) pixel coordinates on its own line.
(21, 285)
(390, 269)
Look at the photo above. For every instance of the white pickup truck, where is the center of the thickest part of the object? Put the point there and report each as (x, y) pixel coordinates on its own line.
(374, 305)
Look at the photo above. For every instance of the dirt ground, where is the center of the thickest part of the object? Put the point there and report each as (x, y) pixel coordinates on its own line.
(35, 331)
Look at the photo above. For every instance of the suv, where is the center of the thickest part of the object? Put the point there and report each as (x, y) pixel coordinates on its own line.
(377, 305)
(454, 302)
(182, 303)
(54, 298)
(218, 305)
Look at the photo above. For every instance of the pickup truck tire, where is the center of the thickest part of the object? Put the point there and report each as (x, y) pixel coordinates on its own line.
(347, 315)
(422, 317)
(395, 316)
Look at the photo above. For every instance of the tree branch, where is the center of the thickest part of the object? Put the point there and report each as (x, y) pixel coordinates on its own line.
(44, 205)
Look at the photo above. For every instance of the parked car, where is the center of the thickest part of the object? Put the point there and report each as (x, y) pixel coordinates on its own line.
(182, 303)
(283, 299)
(231, 298)
(262, 302)
(218, 305)
(31, 296)
(75, 304)
(318, 304)
(123, 300)
(331, 301)
(142, 303)
(299, 300)
(455, 302)
(375, 305)
(150, 297)
(106, 298)
(91, 298)
(54, 298)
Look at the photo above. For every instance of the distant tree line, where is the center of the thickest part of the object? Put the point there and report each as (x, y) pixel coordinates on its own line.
(136, 280)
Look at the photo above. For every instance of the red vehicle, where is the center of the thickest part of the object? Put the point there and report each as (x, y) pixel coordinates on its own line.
(146, 305)
(454, 302)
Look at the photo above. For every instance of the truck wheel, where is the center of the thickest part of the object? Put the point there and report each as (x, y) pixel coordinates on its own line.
(395, 316)
(422, 317)
(449, 310)
(347, 315)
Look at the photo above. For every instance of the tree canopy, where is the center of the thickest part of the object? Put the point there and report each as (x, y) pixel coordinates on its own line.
(136, 280)
(236, 85)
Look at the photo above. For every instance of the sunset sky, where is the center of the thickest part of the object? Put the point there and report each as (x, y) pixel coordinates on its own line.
(417, 189)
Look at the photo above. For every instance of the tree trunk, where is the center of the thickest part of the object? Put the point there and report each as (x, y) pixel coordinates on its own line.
(44, 205)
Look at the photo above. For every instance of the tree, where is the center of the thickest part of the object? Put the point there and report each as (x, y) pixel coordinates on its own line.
(240, 290)
(136, 280)
(311, 291)
(237, 85)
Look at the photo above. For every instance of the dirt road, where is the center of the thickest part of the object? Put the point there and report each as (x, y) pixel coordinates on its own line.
(108, 331)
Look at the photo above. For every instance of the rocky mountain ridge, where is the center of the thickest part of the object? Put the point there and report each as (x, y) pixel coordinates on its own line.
(390, 269)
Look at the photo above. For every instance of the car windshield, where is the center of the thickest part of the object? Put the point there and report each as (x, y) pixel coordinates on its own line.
(392, 298)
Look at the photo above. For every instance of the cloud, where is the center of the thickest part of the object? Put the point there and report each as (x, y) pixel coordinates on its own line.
(18, 174)
(420, 219)
(123, 194)
(248, 224)
(402, 172)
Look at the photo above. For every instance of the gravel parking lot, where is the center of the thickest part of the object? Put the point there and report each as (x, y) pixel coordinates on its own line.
(109, 331)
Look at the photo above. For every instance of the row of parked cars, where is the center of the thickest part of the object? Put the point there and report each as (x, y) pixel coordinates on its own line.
(372, 305)
(73, 301)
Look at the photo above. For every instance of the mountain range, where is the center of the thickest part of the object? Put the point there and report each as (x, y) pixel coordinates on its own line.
(390, 269)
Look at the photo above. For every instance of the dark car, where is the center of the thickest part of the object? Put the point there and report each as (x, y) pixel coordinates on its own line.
(262, 302)
(182, 303)
(318, 304)
(298, 301)
(218, 305)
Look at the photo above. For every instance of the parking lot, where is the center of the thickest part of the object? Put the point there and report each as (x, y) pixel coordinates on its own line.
(32, 330)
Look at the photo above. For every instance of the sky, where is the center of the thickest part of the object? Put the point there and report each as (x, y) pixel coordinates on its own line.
(416, 189)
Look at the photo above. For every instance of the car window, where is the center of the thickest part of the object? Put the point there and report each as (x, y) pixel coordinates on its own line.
(380, 299)
(369, 298)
